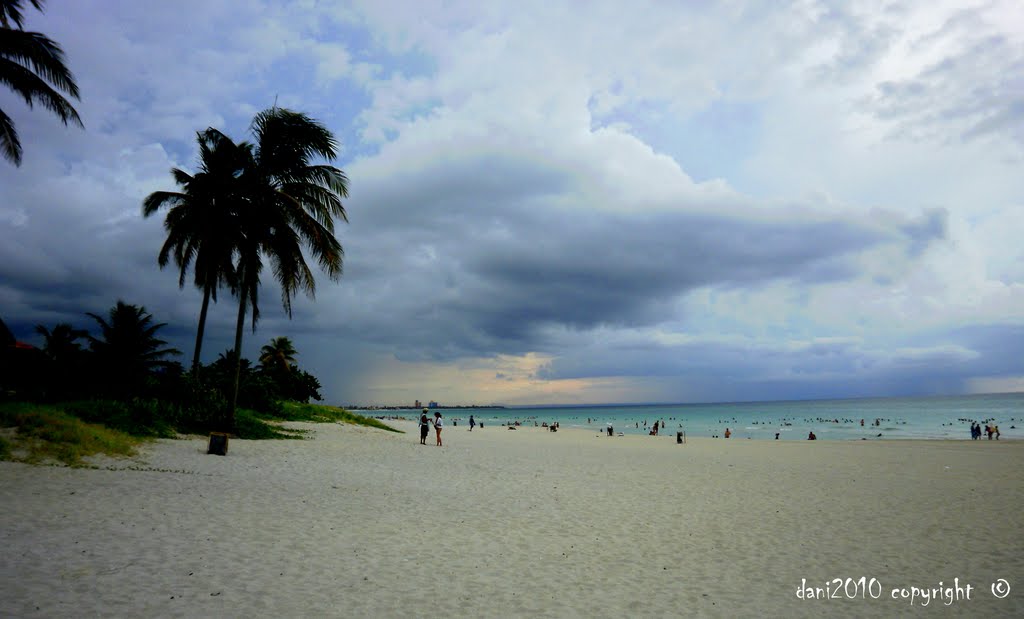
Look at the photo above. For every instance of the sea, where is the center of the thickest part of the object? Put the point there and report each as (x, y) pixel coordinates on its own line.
(947, 417)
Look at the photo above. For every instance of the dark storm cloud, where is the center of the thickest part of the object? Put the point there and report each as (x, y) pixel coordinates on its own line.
(497, 248)
(617, 270)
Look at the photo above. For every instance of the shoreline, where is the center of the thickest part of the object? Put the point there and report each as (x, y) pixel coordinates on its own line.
(500, 523)
(670, 433)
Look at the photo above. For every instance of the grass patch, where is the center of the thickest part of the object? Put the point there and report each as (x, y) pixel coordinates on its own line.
(70, 432)
(48, 433)
(318, 413)
(251, 425)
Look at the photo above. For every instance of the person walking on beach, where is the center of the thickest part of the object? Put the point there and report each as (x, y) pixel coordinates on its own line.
(424, 427)
(438, 426)
(472, 423)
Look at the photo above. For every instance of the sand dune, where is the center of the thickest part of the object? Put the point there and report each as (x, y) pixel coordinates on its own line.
(364, 523)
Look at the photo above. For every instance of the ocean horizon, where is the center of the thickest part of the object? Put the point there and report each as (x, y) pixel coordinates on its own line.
(927, 417)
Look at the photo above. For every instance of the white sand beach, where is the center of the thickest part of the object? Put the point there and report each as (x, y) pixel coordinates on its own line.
(359, 522)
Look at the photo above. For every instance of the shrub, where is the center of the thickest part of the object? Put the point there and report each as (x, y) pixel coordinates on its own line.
(200, 408)
(138, 417)
(259, 393)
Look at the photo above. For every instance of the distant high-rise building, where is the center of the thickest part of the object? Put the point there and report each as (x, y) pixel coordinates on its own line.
(432, 404)
(417, 404)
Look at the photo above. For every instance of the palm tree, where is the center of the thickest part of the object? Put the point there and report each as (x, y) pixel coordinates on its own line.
(128, 350)
(290, 203)
(278, 355)
(66, 372)
(61, 344)
(29, 63)
(202, 220)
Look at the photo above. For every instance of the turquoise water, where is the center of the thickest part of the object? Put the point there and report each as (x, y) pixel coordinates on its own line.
(898, 418)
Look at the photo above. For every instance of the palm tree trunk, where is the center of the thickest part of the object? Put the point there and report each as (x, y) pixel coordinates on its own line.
(199, 332)
(238, 358)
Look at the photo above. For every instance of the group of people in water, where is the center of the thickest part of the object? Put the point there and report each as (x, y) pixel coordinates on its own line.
(990, 429)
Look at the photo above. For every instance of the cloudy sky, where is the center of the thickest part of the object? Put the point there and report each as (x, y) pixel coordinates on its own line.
(566, 202)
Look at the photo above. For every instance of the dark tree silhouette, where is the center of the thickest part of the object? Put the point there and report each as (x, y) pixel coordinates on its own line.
(29, 63)
(202, 220)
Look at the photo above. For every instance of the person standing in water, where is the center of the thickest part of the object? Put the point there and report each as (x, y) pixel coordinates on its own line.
(438, 426)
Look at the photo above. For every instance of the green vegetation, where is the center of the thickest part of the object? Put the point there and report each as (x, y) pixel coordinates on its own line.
(47, 433)
(71, 431)
(295, 411)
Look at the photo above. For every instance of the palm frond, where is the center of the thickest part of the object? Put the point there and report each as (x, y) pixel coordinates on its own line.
(33, 89)
(10, 12)
(9, 142)
(158, 199)
(42, 55)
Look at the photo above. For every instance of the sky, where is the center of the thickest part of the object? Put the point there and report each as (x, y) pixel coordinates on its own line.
(564, 202)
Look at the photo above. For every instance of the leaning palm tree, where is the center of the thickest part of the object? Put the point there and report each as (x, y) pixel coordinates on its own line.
(290, 204)
(278, 355)
(29, 63)
(202, 220)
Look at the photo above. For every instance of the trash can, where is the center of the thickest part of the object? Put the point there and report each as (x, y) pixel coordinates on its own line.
(218, 444)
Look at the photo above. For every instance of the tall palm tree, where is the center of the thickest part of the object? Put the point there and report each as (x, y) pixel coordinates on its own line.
(278, 355)
(202, 220)
(29, 63)
(128, 350)
(290, 203)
